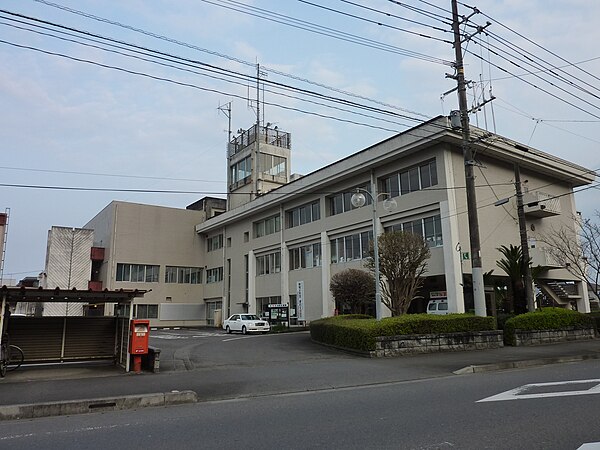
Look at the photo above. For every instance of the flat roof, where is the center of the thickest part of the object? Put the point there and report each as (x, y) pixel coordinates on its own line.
(28, 294)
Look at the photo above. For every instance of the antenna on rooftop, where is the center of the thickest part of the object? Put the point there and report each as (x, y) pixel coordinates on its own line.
(226, 110)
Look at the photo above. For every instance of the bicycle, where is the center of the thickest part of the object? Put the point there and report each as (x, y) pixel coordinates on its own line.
(11, 357)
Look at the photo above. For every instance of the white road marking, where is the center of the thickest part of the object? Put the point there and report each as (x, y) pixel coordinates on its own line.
(517, 394)
(74, 431)
(590, 446)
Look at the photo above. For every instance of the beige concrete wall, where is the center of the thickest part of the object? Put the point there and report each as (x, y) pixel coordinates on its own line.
(153, 235)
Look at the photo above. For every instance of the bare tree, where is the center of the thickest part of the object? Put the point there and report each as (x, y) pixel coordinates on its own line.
(353, 290)
(577, 248)
(402, 263)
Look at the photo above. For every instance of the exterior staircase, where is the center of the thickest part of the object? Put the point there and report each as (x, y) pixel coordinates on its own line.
(562, 293)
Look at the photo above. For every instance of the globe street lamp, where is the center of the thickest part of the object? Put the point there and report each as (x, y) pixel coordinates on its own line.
(359, 200)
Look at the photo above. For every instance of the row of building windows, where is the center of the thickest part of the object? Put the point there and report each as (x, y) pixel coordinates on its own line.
(214, 275)
(137, 273)
(430, 228)
(342, 202)
(214, 243)
(269, 263)
(305, 257)
(307, 213)
(351, 247)
(241, 170)
(272, 165)
(267, 226)
(145, 273)
(414, 179)
(183, 275)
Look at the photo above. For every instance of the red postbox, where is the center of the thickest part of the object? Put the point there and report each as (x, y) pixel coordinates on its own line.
(138, 342)
(138, 336)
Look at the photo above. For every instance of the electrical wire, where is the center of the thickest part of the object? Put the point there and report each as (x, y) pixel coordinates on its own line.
(214, 53)
(226, 72)
(364, 19)
(325, 31)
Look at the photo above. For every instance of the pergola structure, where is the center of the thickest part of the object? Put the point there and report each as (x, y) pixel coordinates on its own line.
(62, 338)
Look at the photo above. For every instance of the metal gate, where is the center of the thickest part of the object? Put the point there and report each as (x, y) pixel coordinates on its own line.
(58, 339)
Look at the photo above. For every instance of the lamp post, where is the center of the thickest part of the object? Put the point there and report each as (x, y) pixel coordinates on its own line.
(359, 200)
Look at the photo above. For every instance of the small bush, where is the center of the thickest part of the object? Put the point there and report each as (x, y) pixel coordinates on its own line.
(546, 319)
(359, 332)
(596, 318)
(502, 319)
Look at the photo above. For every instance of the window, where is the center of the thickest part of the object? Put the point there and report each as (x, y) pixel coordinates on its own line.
(228, 242)
(272, 165)
(267, 226)
(307, 213)
(262, 305)
(352, 247)
(137, 273)
(214, 275)
(211, 307)
(214, 242)
(241, 170)
(342, 202)
(269, 263)
(305, 257)
(429, 227)
(183, 275)
(246, 236)
(433, 231)
(413, 179)
(146, 311)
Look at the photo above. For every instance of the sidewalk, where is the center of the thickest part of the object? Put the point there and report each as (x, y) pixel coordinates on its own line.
(89, 382)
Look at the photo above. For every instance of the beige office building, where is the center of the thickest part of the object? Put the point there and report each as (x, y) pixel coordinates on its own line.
(283, 236)
(290, 241)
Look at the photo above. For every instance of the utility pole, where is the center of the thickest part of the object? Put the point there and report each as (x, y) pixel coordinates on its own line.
(524, 244)
(477, 271)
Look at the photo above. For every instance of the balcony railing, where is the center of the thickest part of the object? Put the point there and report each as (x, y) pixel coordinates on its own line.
(271, 136)
(540, 204)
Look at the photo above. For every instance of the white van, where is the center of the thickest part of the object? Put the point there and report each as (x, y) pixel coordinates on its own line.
(438, 306)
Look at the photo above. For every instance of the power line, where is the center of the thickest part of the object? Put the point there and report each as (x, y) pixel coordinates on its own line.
(364, 19)
(416, 22)
(180, 83)
(538, 45)
(534, 85)
(209, 68)
(95, 174)
(214, 53)
(326, 31)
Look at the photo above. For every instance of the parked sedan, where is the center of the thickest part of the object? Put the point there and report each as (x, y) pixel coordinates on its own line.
(246, 323)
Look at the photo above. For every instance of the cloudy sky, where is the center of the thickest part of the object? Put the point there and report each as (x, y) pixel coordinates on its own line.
(103, 97)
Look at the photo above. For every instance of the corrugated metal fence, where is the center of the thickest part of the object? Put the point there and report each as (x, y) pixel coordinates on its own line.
(59, 339)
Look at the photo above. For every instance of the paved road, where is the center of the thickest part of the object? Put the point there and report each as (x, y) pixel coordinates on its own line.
(434, 413)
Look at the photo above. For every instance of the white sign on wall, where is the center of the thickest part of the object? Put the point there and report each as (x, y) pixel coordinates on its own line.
(300, 299)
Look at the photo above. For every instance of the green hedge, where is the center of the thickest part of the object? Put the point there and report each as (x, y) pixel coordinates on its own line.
(546, 319)
(596, 318)
(359, 332)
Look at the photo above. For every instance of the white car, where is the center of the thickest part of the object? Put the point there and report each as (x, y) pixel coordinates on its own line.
(438, 307)
(246, 323)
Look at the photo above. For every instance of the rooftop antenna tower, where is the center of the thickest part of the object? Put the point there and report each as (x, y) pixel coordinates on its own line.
(226, 110)
(4, 227)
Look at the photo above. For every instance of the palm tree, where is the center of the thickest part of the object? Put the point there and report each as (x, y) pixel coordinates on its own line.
(512, 265)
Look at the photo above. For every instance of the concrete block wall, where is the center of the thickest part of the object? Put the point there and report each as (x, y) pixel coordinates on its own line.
(429, 343)
(537, 337)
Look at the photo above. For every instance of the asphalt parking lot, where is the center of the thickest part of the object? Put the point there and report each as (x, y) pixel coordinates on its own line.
(191, 349)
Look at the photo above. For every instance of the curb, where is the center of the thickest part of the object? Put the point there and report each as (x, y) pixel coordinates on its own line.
(524, 364)
(70, 407)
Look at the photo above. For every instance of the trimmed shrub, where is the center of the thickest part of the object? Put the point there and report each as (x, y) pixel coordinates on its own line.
(359, 333)
(596, 318)
(502, 319)
(546, 319)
